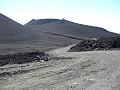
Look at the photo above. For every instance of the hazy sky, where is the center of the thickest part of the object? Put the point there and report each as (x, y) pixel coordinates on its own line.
(102, 13)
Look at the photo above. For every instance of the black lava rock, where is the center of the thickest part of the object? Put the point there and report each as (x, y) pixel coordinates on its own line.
(111, 43)
(21, 58)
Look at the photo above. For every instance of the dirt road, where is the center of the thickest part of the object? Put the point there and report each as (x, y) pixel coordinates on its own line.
(93, 70)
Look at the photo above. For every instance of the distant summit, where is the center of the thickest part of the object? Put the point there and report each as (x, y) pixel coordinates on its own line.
(44, 21)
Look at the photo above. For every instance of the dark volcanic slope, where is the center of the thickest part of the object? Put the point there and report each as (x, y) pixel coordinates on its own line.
(68, 28)
(100, 44)
(11, 31)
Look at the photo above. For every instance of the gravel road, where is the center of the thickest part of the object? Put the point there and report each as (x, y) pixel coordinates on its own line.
(91, 70)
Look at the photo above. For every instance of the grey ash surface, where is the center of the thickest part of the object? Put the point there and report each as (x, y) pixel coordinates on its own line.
(96, 70)
(112, 43)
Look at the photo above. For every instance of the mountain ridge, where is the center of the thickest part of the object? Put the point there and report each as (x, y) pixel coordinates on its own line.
(11, 31)
(48, 29)
(69, 28)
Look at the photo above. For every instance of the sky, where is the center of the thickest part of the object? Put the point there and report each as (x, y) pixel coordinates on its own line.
(101, 13)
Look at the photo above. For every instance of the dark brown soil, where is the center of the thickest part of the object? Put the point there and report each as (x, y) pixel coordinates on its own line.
(21, 58)
(111, 43)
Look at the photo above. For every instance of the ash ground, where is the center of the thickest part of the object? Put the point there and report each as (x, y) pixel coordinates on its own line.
(92, 70)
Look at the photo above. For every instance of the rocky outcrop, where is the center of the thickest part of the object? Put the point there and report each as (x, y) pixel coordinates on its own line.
(111, 43)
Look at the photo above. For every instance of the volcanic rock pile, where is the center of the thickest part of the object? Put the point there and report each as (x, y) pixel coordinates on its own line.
(111, 43)
(21, 58)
